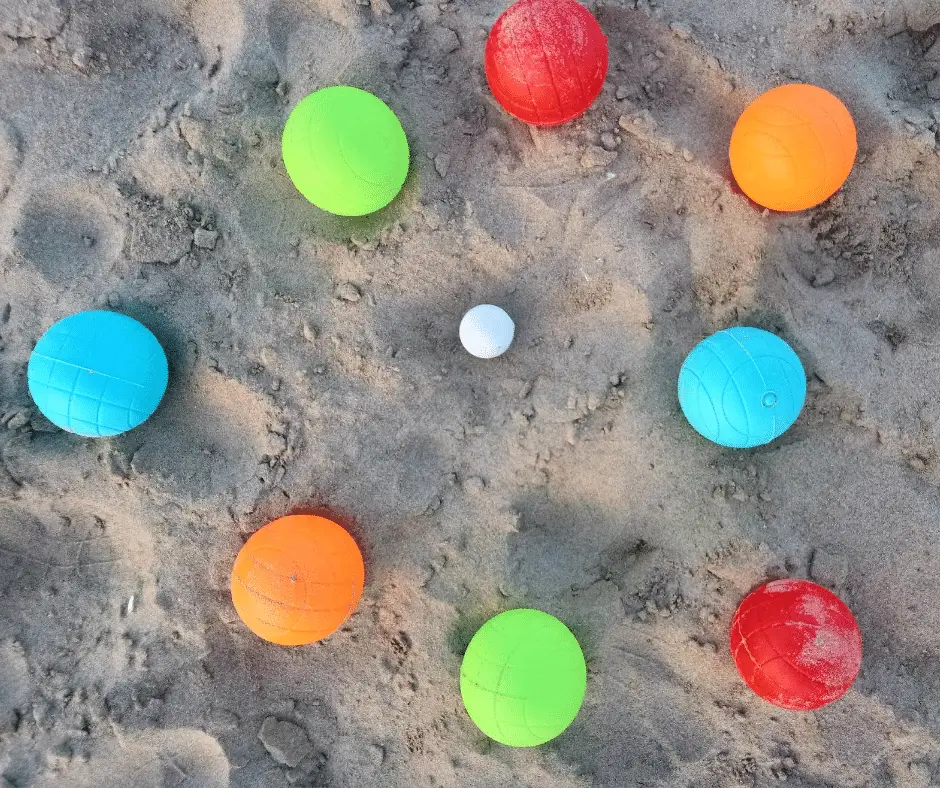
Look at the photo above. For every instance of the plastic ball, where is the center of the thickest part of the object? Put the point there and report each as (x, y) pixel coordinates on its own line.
(297, 579)
(546, 60)
(796, 644)
(486, 331)
(345, 151)
(793, 147)
(742, 387)
(97, 374)
(523, 678)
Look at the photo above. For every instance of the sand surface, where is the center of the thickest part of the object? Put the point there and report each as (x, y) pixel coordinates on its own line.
(315, 363)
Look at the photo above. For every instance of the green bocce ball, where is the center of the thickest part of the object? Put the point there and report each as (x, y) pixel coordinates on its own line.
(523, 678)
(345, 151)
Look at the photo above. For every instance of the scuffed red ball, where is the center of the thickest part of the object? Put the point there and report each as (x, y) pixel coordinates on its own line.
(546, 60)
(796, 644)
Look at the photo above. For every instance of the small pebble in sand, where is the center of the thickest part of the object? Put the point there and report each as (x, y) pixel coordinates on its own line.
(82, 57)
(285, 742)
(933, 88)
(597, 157)
(205, 239)
(474, 485)
(824, 276)
(348, 292)
(442, 164)
(445, 40)
(608, 141)
(21, 419)
(59, 757)
(681, 31)
(828, 569)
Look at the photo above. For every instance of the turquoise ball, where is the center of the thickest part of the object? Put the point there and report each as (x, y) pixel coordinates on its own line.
(742, 387)
(97, 374)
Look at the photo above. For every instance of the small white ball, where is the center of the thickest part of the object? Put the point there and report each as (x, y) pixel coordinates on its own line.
(486, 331)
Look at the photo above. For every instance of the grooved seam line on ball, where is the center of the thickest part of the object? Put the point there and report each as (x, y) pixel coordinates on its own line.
(265, 598)
(748, 435)
(521, 61)
(548, 65)
(759, 666)
(355, 170)
(499, 682)
(577, 75)
(815, 133)
(707, 399)
(488, 690)
(577, 70)
(319, 632)
(86, 369)
(826, 687)
(789, 155)
(275, 570)
(771, 626)
(747, 353)
(838, 126)
(91, 398)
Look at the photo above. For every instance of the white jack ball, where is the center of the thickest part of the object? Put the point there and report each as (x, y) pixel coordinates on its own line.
(486, 331)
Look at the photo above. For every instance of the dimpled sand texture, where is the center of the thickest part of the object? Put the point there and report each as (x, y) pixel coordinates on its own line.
(796, 644)
(297, 579)
(345, 151)
(742, 387)
(523, 678)
(546, 60)
(97, 373)
(793, 147)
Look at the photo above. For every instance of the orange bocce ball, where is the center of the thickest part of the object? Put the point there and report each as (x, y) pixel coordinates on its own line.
(297, 579)
(793, 147)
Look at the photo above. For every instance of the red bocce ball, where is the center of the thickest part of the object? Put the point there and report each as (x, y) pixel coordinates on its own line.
(546, 60)
(796, 644)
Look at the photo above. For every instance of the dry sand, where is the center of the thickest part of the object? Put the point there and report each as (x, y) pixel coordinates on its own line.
(315, 363)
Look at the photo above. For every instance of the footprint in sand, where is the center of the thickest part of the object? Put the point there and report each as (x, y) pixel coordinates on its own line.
(33, 18)
(15, 683)
(180, 758)
(220, 30)
(311, 47)
(41, 548)
(226, 428)
(66, 231)
(11, 157)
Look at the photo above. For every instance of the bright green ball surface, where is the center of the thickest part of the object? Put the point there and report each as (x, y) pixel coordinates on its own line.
(345, 151)
(523, 678)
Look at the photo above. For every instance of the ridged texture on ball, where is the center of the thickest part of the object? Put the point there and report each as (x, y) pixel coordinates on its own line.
(345, 151)
(793, 147)
(546, 60)
(523, 678)
(796, 644)
(742, 387)
(297, 579)
(97, 374)
(486, 331)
